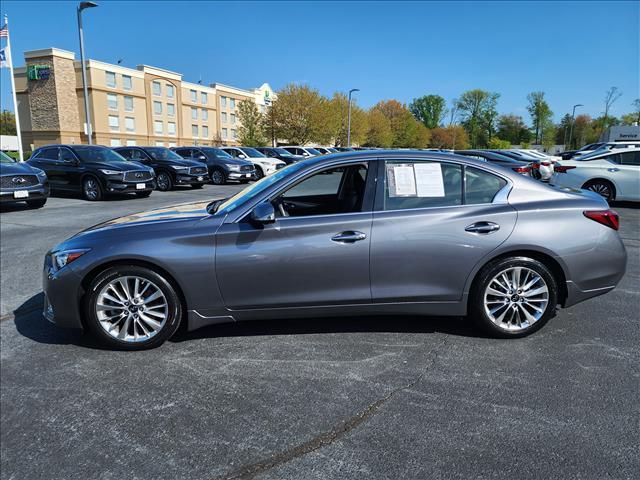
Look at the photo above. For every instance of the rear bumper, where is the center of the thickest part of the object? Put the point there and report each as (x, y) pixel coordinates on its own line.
(576, 295)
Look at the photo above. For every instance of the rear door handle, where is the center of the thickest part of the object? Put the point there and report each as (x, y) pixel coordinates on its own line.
(349, 236)
(483, 227)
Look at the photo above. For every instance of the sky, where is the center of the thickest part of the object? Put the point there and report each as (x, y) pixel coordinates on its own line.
(573, 51)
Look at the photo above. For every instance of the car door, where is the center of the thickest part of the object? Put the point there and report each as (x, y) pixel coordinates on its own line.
(313, 257)
(70, 170)
(47, 160)
(626, 174)
(433, 222)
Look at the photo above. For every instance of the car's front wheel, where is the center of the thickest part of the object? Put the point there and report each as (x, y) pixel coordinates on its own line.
(91, 189)
(164, 182)
(132, 308)
(259, 173)
(601, 187)
(513, 297)
(218, 177)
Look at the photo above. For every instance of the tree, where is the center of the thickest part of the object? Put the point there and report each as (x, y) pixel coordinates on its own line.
(299, 114)
(496, 144)
(422, 136)
(336, 123)
(636, 109)
(540, 113)
(610, 98)
(379, 132)
(251, 130)
(429, 109)
(7, 123)
(582, 131)
(629, 119)
(564, 129)
(478, 110)
(454, 137)
(513, 129)
(404, 127)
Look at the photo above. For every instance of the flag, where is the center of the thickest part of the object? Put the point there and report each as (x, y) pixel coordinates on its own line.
(4, 31)
(5, 58)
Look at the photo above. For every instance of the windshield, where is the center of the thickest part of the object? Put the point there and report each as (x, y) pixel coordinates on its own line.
(4, 158)
(252, 152)
(218, 152)
(162, 153)
(256, 188)
(313, 151)
(282, 151)
(98, 154)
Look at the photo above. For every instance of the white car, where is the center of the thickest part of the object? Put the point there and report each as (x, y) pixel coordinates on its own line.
(542, 164)
(264, 165)
(605, 147)
(614, 174)
(306, 152)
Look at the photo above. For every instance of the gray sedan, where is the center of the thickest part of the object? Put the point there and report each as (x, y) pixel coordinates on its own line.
(381, 232)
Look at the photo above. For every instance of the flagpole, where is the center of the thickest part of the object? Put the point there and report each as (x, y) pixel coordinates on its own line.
(13, 90)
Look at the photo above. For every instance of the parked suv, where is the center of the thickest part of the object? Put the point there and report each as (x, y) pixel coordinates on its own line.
(171, 169)
(222, 166)
(20, 182)
(280, 154)
(306, 152)
(92, 170)
(264, 165)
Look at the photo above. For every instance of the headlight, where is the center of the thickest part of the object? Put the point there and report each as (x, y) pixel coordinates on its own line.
(177, 167)
(64, 257)
(39, 173)
(233, 168)
(110, 172)
(152, 172)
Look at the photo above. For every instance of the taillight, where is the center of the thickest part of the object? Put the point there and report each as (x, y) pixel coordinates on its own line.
(521, 169)
(546, 164)
(563, 168)
(608, 218)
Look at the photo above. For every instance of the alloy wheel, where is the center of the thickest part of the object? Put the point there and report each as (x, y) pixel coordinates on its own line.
(516, 298)
(601, 188)
(91, 189)
(217, 177)
(164, 182)
(132, 309)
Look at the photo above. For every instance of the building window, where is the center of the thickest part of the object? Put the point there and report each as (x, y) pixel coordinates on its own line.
(205, 132)
(233, 118)
(115, 142)
(128, 104)
(194, 131)
(130, 124)
(224, 133)
(205, 114)
(114, 122)
(170, 90)
(171, 128)
(159, 143)
(223, 102)
(204, 98)
(194, 96)
(110, 79)
(127, 82)
(112, 101)
(194, 113)
(157, 108)
(157, 88)
(131, 143)
(172, 144)
(171, 109)
(232, 103)
(224, 117)
(157, 127)
(233, 133)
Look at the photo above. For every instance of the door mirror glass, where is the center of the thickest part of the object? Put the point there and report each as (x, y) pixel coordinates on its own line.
(242, 156)
(263, 213)
(202, 158)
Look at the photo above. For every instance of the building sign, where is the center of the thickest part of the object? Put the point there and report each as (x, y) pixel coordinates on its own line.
(267, 98)
(38, 72)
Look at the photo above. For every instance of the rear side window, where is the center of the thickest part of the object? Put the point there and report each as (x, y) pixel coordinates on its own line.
(481, 186)
(629, 158)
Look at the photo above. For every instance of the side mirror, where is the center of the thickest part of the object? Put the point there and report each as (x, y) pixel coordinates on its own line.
(202, 158)
(263, 213)
(242, 156)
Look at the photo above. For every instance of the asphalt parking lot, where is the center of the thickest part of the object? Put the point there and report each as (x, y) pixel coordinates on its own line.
(355, 398)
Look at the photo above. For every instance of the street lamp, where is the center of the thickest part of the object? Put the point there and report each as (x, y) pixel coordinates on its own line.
(573, 118)
(349, 116)
(87, 108)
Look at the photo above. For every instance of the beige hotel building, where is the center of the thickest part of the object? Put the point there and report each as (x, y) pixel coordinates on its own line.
(142, 106)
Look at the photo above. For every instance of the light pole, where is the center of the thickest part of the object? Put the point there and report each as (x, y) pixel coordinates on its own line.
(349, 117)
(573, 119)
(87, 108)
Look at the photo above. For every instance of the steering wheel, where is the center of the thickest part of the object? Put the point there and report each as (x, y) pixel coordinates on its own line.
(281, 209)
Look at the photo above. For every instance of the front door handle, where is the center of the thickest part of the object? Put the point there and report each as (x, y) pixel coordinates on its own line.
(349, 236)
(483, 227)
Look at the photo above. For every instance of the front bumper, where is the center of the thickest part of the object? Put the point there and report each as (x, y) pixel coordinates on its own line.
(62, 293)
(35, 192)
(187, 179)
(130, 187)
(241, 175)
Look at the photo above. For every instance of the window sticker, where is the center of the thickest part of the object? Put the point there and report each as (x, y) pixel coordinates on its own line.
(429, 181)
(415, 180)
(401, 180)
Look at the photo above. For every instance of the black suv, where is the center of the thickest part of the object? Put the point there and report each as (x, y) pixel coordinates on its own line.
(171, 169)
(280, 154)
(222, 166)
(92, 170)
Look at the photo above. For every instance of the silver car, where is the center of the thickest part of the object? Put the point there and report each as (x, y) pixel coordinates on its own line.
(366, 233)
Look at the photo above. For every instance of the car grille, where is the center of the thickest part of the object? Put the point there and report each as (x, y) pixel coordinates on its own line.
(18, 181)
(197, 170)
(246, 168)
(137, 176)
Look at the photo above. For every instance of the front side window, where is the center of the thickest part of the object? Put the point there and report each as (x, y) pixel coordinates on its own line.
(112, 101)
(332, 191)
(162, 153)
(127, 83)
(66, 155)
(110, 79)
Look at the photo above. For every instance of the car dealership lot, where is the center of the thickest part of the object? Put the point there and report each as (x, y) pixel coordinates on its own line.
(340, 398)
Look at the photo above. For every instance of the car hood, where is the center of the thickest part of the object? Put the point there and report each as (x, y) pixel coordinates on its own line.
(185, 162)
(234, 161)
(16, 169)
(119, 166)
(265, 159)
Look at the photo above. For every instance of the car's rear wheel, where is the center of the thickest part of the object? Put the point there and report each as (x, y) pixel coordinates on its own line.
(91, 189)
(218, 177)
(36, 203)
(513, 297)
(601, 187)
(164, 182)
(132, 308)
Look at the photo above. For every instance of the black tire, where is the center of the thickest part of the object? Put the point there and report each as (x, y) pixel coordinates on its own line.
(174, 307)
(144, 194)
(36, 203)
(218, 177)
(478, 312)
(259, 173)
(602, 187)
(92, 189)
(196, 186)
(164, 182)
